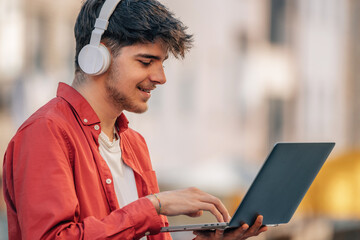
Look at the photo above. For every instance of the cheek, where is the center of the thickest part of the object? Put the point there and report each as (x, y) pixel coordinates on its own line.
(127, 74)
(132, 79)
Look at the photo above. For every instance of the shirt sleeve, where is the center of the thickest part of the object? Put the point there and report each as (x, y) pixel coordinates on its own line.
(40, 185)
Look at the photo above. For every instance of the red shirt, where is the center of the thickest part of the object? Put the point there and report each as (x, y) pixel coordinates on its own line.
(57, 185)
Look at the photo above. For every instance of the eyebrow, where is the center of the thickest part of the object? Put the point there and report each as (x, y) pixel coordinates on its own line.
(149, 56)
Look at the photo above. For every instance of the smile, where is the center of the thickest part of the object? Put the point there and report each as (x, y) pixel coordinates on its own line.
(144, 90)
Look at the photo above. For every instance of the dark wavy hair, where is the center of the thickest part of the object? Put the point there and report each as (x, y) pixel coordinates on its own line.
(133, 21)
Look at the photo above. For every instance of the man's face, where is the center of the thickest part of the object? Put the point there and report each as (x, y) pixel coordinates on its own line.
(134, 73)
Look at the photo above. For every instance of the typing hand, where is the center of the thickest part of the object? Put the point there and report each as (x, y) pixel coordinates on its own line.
(191, 202)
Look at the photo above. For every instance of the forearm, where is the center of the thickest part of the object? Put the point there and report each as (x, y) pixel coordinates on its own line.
(130, 222)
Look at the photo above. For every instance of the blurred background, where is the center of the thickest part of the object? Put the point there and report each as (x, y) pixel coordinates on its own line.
(260, 72)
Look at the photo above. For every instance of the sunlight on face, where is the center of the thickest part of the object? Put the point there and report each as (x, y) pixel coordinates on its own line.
(134, 74)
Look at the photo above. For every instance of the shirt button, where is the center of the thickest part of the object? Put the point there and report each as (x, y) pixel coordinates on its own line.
(108, 181)
(86, 121)
(147, 233)
(96, 127)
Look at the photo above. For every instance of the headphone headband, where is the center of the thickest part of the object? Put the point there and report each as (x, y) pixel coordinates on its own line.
(108, 8)
(94, 58)
(102, 22)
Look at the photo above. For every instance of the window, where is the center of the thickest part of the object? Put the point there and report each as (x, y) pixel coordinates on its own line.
(277, 21)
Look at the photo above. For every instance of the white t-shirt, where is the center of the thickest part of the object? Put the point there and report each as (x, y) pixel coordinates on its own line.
(123, 175)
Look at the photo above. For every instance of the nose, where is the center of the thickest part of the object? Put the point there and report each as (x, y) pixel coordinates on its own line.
(158, 75)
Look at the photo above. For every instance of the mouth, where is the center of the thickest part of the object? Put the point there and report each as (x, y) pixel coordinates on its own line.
(144, 90)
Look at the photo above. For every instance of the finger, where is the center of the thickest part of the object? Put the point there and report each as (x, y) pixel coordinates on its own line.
(257, 224)
(263, 229)
(219, 206)
(219, 234)
(239, 232)
(212, 208)
(254, 229)
(204, 233)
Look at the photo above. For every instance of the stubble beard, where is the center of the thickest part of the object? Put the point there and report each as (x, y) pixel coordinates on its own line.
(118, 99)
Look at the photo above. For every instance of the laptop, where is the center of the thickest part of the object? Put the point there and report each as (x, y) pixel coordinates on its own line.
(278, 188)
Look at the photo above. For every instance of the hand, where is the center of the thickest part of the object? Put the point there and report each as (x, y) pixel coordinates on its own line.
(191, 202)
(241, 233)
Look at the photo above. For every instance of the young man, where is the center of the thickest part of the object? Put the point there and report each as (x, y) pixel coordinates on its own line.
(74, 170)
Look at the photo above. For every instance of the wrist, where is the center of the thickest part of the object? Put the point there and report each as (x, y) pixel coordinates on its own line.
(156, 202)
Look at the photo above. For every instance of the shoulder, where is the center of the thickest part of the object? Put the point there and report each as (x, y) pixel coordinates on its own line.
(53, 116)
(45, 133)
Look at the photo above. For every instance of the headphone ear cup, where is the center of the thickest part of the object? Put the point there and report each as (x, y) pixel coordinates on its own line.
(106, 58)
(94, 60)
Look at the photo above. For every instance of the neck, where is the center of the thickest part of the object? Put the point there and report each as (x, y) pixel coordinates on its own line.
(93, 90)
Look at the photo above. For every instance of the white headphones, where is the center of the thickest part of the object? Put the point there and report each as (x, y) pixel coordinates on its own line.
(94, 58)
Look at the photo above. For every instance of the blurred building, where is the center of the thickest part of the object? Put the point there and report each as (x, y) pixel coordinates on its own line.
(36, 52)
(260, 72)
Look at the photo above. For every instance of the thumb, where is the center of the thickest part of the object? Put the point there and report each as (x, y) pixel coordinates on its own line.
(219, 234)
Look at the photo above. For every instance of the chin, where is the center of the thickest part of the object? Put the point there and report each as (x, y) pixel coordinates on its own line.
(138, 109)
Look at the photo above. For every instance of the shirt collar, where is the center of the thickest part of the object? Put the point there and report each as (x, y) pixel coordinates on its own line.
(83, 109)
(122, 123)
